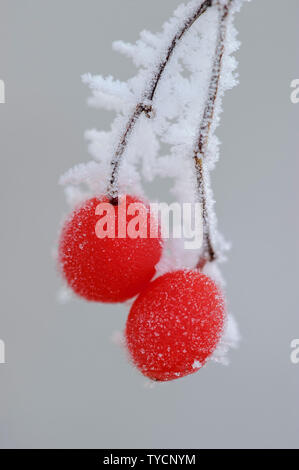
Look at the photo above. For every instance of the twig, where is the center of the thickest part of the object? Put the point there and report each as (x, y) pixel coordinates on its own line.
(200, 153)
(146, 105)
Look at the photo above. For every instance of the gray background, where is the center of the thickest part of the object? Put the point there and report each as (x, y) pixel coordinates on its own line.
(65, 384)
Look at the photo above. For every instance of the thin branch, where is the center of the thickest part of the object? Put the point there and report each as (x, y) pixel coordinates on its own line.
(149, 94)
(200, 153)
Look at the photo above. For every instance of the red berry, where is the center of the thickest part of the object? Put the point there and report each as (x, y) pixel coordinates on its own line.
(107, 269)
(175, 324)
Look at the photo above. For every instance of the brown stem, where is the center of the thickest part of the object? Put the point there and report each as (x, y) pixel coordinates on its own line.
(149, 94)
(200, 153)
(208, 251)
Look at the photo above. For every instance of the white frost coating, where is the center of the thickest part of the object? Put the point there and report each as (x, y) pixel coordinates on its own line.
(163, 145)
(118, 339)
(197, 365)
(150, 385)
(108, 93)
(178, 105)
(230, 339)
(64, 295)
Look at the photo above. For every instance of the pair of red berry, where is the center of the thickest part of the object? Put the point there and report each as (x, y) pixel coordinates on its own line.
(176, 321)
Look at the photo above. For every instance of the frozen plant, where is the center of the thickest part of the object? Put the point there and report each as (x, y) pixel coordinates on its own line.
(166, 117)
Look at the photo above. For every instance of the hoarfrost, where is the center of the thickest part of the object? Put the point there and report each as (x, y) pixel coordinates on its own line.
(230, 339)
(176, 111)
(118, 338)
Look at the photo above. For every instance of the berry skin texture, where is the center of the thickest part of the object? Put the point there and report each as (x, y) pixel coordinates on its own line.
(175, 325)
(106, 269)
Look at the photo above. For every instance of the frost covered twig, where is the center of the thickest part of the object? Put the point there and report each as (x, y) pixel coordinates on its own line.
(146, 105)
(208, 252)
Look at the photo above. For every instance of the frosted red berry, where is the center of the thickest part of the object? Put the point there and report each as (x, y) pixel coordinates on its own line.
(175, 325)
(107, 269)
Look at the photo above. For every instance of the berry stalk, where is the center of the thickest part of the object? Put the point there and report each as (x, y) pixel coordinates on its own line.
(200, 153)
(146, 105)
